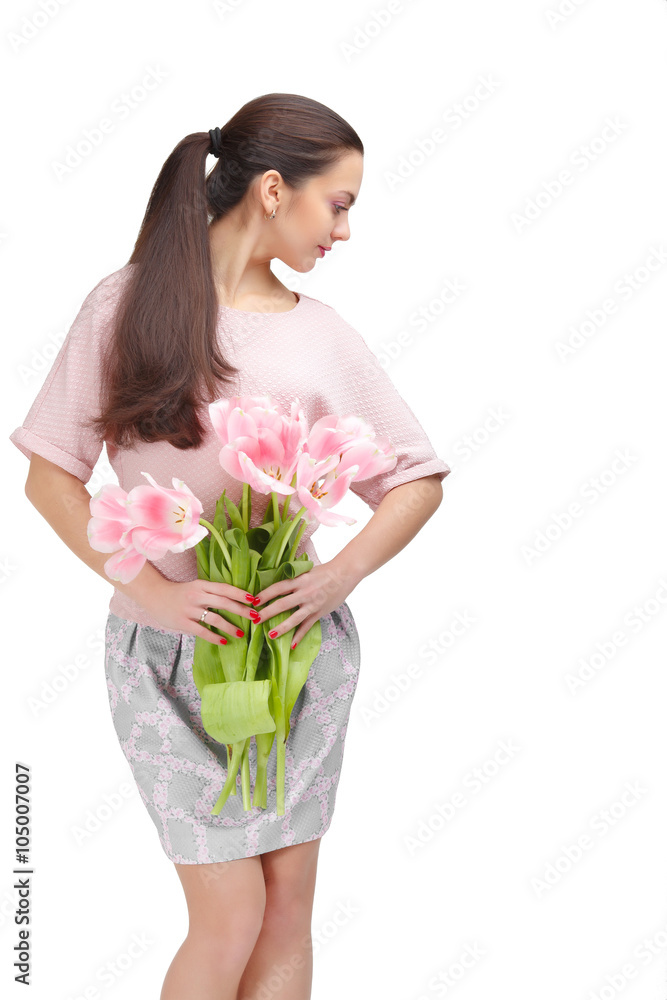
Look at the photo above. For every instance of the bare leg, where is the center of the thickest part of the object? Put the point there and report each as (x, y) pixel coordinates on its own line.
(226, 907)
(281, 965)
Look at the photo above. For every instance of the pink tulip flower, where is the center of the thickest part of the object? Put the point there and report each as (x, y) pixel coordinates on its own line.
(354, 439)
(318, 497)
(260, 445)
(110, 521)
(124, 565)
(143, 524)
(370, 456)
(108, 532)
(164, 520)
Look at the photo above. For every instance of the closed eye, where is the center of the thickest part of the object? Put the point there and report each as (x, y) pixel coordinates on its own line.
(340, 208)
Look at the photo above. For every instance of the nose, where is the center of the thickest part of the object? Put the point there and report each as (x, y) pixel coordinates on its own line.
(341, 230)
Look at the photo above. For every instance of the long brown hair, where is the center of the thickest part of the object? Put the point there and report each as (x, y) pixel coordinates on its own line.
(163, 362)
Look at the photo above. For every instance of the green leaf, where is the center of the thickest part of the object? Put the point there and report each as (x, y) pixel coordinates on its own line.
(290, 570)
(220, 519)
(201, 551)
(255, 647)
(259, 537)
(268, 513)
(218, 569)
(300, 661)
(265, 577)
(207, 666)
(238, 545)
(234, 515)
(253, 556)
(277, 545)
(235, 711)
(279, 649)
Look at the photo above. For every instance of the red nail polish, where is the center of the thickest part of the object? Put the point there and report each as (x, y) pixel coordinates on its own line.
(293, 645)
(273, 633)
(256, 601)
(249, 597)
(223, 640)
(240, 633)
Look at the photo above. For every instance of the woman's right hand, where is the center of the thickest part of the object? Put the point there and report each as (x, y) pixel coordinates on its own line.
(179, 606)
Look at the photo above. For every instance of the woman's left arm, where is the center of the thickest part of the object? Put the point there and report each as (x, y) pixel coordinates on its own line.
(402, 513)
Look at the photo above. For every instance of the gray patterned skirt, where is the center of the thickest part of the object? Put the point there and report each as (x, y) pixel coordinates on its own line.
(180, 769)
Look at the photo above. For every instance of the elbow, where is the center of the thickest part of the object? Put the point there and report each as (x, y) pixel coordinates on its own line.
(435, 485)
(423, 495)
(46, 479)
(435, 495)
(29, 488)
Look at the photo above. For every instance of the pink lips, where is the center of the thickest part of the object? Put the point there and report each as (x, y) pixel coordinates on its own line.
(323, 248)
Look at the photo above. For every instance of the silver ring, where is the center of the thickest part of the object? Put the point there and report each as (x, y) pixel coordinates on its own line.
(204, 613)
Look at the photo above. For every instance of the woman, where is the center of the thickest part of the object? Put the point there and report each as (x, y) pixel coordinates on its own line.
(198, 314)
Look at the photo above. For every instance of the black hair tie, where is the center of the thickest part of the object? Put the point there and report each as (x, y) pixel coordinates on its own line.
(216, 141)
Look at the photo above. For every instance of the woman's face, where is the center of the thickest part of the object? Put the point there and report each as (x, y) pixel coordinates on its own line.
(315, 215)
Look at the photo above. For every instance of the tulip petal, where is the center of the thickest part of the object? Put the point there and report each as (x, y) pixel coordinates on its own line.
(124, 565)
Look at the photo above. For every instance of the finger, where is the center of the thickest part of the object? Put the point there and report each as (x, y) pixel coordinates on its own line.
(229, 591)
(206, 633)
(282, 604)
(303, 628)
(226, 604)
(217, 621)
(289, 623)
(305, 625)
(274, 590)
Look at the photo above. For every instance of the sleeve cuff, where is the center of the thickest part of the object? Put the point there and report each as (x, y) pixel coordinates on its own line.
(374, 496)
(27, 442)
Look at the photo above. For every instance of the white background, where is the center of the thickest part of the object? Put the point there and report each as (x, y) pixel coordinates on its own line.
(529, 431)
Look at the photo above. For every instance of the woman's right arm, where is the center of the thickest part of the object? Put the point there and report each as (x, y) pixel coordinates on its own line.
(63, 500)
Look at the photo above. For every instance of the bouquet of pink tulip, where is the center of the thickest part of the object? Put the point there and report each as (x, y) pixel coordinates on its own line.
(249, 686)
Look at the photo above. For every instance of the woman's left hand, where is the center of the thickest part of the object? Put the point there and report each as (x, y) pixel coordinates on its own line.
(322, 589)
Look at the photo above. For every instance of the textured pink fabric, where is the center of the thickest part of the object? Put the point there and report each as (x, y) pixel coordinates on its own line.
(308, 352)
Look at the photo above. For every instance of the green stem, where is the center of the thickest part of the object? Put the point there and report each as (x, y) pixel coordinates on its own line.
(259, 796)
(295, 544)
(288, 498)
(245, 775)
(230, 783)
(276, 510)
(219, 539)
(280, 772)
(296, 517)
(245, 506)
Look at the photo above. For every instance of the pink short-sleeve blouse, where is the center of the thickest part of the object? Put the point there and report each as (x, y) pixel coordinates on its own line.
(308, 352)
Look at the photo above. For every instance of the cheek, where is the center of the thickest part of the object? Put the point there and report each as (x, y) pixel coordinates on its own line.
(310, 224)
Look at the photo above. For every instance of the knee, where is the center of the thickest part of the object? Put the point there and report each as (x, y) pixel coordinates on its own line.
(229, 944)
(287, 916)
